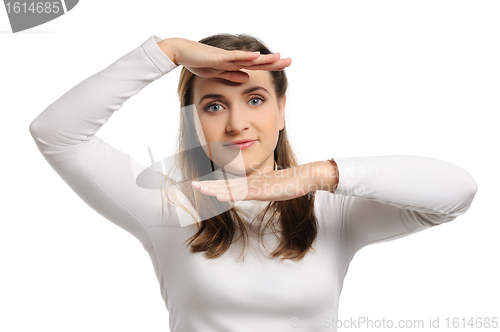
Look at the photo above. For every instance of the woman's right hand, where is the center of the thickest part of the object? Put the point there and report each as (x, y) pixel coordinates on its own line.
(209, 61)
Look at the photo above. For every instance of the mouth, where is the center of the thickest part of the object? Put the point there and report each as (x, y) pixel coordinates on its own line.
(241, 144)
(241, 141)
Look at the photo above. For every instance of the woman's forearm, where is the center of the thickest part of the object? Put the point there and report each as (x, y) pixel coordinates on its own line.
(78, 114)
(417, 183)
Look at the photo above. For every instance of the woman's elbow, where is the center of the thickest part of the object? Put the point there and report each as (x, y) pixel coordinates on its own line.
(466, 191)
(471, 189)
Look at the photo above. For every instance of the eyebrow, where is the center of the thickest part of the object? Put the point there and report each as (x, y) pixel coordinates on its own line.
(247, 91)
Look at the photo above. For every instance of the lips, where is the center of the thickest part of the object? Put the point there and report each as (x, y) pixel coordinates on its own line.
(241, 141)
(241, 144)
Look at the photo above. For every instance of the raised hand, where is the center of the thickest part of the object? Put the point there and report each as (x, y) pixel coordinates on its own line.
(208, 61)
(276, 185)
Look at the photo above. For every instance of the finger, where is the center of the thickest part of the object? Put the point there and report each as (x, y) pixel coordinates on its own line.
(219, 192)
(239, 56)
(222, 187)
(238, 190)
(234, 76)
(278, 65)
(206, 184)
(262, 59)
(243, 64)
(226, 182)
(232, 195)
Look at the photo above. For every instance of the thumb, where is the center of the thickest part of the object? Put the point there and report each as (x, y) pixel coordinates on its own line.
(235, 76)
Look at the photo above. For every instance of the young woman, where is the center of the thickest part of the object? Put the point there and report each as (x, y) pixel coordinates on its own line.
(218, 267)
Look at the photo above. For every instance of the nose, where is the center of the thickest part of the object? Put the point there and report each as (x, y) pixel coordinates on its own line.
(238, 120)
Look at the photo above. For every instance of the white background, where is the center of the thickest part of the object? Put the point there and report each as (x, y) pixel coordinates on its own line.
(368, 78)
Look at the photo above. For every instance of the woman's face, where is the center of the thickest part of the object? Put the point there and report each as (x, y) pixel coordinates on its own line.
(229, 112)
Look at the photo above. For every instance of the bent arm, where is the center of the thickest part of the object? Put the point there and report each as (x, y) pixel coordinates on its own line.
(388, 197)
(101, 175)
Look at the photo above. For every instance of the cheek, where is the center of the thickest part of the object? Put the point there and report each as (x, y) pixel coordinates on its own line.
(269, 127)
(270, 121)
(210, 128)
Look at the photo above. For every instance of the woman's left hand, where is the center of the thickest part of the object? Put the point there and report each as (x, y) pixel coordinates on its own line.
(279, 185)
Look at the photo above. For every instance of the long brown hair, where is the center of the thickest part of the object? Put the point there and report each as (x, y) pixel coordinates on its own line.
(294, 218)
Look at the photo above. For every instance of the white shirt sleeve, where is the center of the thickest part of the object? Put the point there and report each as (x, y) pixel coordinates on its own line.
(387, 197)
(101, 175)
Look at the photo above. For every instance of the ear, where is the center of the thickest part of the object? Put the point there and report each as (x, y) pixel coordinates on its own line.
(281, 108)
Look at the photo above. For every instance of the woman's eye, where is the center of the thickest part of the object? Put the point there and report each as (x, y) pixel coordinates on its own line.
(213, 108)
(255, 101)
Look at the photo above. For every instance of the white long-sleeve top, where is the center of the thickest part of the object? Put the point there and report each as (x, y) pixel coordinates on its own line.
(378, 199)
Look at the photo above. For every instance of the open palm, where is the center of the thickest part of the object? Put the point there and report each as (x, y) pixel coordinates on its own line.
(209, 61)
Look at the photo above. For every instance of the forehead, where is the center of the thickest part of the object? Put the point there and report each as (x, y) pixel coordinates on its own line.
(203, 85)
